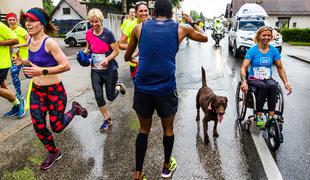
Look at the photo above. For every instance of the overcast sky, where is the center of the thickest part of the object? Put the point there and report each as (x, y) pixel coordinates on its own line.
(209, 8)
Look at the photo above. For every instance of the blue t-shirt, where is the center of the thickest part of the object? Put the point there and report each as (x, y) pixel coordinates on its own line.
(261, 64)
(157, 50)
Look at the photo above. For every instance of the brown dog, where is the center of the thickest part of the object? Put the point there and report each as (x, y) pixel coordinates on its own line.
(212, 105)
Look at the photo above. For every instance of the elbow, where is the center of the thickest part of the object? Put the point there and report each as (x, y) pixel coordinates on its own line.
(66, 67)
(206, 39)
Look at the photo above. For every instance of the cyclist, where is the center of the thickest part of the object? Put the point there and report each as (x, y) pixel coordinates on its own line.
(258, 61)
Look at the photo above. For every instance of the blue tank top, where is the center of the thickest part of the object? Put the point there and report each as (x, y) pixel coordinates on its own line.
(157, 50)
(41, 57)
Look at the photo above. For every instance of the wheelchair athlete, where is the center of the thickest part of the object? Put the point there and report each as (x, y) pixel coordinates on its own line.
(260, 58)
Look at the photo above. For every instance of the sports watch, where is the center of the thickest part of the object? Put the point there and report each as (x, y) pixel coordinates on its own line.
(44, 71)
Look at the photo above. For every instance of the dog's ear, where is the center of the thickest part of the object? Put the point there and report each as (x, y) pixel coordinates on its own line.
(226, 99)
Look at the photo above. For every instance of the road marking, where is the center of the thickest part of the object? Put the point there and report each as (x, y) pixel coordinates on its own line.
(270, 167)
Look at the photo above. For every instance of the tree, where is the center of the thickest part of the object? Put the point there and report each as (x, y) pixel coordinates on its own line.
(48, 6)
(201, 17)
(194, 15)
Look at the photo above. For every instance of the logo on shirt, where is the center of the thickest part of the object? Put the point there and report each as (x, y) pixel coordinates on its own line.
(264, 61)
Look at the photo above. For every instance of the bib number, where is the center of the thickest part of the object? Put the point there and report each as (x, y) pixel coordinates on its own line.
(97, 59)
(261, 72)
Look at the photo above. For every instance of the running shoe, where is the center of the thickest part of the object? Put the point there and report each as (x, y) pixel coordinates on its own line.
(122, 89)
(50, 160)
(168, 170)
(105, 126)
(260, 122)
(12, 112)
(21, 109)
(80, 110)
(143, 177)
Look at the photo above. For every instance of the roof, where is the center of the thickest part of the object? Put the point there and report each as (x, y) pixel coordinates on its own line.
(79, 8)
(278, 7)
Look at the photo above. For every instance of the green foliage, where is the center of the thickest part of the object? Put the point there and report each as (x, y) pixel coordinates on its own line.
(25, 173)
(295, 35)
(201, 17)
(48, 6)
(194, 15)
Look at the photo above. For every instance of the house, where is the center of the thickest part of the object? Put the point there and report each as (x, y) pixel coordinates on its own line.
(282, 13)
(67, 13)
(16, 6)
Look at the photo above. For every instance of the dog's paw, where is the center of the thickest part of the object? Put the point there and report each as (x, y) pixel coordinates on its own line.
(215, 134)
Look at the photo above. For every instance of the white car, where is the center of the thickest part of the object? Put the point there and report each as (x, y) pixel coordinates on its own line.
(241, 36)
(247, 21)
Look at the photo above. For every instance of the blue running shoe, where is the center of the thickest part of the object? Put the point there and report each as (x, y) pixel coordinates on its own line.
(21, 110)
(12, 112)
(105, 126)
(168, 170)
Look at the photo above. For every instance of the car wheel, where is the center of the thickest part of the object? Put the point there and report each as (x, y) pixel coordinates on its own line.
(235, 51)
(72, 42)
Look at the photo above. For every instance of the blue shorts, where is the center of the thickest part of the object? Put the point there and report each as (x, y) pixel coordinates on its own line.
(144, 104)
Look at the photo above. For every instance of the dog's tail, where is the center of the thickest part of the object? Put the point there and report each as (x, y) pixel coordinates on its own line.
(203, 75)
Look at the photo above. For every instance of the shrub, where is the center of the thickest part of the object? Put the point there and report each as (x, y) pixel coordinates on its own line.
(296, 35)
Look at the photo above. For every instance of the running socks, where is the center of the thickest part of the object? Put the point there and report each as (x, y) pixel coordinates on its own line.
(141, 146)
(15, 102)
(168, 145)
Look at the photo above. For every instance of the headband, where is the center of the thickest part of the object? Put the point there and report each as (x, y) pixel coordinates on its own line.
(9, 15)
(36, 15)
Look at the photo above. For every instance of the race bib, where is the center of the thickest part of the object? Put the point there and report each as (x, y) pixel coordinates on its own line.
(97, 59)
(261, 72)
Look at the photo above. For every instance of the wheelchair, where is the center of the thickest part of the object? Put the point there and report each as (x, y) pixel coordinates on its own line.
(273, 127)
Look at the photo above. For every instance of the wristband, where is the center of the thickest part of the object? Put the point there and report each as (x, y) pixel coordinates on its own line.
(287, 84)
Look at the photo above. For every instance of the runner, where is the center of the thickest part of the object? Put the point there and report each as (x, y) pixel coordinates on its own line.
(18, 51)
(104, 67)
(131, 19)
(155, 83)
(142, 13)
(45, 62)
(8, 38)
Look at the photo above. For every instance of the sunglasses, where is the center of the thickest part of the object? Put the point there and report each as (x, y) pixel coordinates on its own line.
(266, 27)
(140, 2)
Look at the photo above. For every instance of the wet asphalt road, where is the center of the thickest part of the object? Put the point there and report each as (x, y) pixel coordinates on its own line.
(89, 154)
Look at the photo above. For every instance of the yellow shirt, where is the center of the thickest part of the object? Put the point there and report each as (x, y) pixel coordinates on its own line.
(130, 25)
(21, 33)
(5, 34)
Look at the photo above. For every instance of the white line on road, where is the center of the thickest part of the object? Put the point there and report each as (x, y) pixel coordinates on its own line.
(270, 167)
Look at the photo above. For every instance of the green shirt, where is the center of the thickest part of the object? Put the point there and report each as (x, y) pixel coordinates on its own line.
(130, 25)
(21, 33)
(5, 34)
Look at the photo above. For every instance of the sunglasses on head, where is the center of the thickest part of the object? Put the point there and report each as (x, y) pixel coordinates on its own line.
(140, 2)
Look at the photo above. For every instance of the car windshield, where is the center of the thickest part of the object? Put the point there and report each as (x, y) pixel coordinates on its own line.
(250, 25)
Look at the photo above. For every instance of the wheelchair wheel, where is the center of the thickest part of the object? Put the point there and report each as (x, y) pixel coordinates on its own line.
(274, 135)
(240, 100)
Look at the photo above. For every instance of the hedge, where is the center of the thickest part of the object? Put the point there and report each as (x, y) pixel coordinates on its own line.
(296, 35)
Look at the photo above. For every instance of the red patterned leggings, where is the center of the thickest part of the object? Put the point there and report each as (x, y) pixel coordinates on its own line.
(52, 98)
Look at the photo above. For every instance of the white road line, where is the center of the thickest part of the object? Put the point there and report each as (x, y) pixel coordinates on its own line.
(270, 167)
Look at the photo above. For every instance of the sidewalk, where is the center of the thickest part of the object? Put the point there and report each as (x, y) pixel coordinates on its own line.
(298, 52)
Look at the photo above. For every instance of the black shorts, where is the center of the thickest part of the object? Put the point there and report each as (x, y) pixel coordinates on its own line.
(3, 74)
(145, 104)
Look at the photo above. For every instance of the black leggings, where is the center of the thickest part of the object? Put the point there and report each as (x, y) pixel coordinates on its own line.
(107, 78)
(52, 99)
(267, 88)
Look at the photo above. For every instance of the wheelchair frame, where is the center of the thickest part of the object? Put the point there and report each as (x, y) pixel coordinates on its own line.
(273, 127)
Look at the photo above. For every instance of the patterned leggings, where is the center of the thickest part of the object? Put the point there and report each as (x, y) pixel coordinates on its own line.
(15, 78)
(52, 98)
